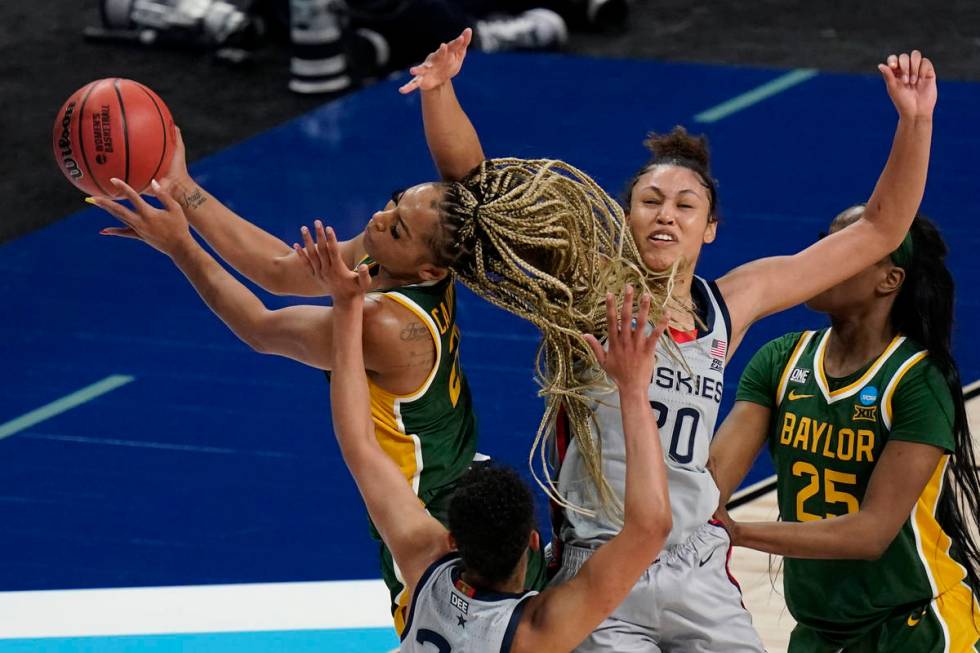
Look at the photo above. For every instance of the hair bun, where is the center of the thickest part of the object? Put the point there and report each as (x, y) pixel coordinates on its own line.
(678, 144)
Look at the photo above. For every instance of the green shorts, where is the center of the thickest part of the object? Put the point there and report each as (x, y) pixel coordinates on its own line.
(950, 623)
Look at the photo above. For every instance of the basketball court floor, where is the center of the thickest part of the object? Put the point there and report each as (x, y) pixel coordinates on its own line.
(164, 488)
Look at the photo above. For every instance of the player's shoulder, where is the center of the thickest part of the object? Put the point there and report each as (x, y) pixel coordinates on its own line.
(782, 347)
(918, 368)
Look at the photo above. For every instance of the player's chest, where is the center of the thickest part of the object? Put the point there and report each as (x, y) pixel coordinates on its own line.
(845, 429)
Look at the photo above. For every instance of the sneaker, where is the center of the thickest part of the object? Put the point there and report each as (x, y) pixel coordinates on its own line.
(537, 29)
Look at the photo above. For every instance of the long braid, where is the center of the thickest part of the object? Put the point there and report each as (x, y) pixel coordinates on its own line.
(540, 239)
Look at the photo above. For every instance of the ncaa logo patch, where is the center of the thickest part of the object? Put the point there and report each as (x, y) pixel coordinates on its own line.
(868, 395)
(799, 375)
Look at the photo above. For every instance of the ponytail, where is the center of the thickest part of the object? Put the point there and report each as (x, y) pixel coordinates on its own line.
(923, 311)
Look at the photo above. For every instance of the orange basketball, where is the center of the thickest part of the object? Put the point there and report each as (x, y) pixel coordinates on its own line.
(113, 128)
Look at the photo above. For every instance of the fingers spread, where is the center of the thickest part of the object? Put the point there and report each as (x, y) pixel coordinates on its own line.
(124, 232)
(596, 347)
(309, 248)
(626, 317)
(611, 318)
(303, 256)
(168, 201)
(116, 210)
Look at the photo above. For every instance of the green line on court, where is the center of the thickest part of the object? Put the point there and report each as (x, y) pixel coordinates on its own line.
(66, 403)
(756, 95)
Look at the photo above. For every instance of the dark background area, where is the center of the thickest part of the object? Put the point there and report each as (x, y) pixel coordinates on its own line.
(43, 59)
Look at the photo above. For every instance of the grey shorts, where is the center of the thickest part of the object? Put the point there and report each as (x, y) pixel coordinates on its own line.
(686, 601)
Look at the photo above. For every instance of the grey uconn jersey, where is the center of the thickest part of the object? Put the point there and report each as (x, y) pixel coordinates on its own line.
(686, 406)
(448, 616)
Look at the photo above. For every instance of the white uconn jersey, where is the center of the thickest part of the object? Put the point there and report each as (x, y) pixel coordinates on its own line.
(447, 616)
(686, 406)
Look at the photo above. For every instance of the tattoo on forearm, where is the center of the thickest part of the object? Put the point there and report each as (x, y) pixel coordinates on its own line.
(414, 331)
(191, 199)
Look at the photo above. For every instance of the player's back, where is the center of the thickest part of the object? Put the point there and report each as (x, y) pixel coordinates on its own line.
(449, 615)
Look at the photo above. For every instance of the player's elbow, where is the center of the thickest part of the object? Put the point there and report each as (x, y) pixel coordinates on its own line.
(654, 528)
(258, 334)
(874, 548)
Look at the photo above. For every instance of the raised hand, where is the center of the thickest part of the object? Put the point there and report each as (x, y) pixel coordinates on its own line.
(911, 83)
(632, 352)
(327, 265)
(440, 66)
(163, 229)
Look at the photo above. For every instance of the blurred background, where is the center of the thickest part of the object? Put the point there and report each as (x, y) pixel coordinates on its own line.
(45, 58)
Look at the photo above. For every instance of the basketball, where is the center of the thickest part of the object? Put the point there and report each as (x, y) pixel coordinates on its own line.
(109, 128)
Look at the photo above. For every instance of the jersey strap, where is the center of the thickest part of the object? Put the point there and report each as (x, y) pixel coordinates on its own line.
(889, 393)
(794, 358)
(515, 620)
(449, 558)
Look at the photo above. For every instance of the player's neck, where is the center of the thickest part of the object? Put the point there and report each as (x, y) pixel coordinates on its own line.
(855, 341)
(681, 294)
(385, 279)
(513, 585)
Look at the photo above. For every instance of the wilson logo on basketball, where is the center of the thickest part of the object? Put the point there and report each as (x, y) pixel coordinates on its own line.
(64, 143)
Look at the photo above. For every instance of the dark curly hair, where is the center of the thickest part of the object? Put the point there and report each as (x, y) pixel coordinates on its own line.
(491, 516)
(678, 148)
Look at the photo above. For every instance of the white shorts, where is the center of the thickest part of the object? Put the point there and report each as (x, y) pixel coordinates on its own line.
(686, 601)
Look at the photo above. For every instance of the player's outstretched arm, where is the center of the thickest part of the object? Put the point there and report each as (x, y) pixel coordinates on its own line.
(303, 333)
(452, 139)
(560, 618)
(415, 538)
(769, 285)
(257, 254)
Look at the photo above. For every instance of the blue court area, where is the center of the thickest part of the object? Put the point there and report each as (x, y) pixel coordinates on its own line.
(180, 457)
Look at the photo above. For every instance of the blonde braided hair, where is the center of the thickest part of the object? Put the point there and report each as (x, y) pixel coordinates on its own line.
(542, 240)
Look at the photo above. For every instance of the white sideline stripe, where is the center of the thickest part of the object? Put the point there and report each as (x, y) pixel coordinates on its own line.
(756, 95)
(195, 609)
(752, 488)
(66, 403)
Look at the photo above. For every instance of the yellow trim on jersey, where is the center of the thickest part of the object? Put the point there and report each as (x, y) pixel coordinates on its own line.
(889, 392)
(791, 364)
(402, 447)
(852, 388)
(958, 613)
(954, 602)
(397, 297)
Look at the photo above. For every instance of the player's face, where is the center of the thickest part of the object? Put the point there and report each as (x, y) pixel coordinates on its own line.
(397, 236)
(669, 216)
(858, 291)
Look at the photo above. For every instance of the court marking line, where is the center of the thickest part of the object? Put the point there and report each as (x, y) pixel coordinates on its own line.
(751, 492)
(756, 95)
(64, 404)
(245, 607)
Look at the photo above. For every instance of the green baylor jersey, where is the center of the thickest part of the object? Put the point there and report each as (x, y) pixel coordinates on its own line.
(431, 432)
(825, 437)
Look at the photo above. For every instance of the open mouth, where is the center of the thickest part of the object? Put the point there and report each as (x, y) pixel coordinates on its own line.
(662, 238)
